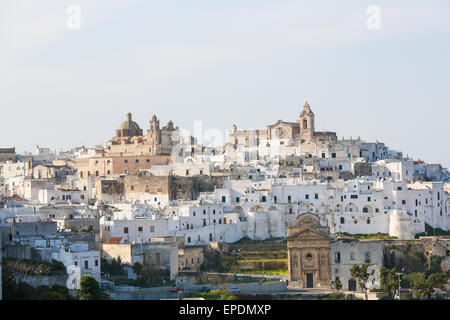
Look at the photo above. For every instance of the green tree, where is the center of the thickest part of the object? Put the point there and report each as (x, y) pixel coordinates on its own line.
(137, 268)
(360, 273)
(438, 280)
(435, 264)
(409, 279)
(422, 288)
(90, 290)
(338, 284)
(389, 281)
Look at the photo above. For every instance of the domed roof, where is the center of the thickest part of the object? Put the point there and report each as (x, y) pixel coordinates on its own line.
(129, 124)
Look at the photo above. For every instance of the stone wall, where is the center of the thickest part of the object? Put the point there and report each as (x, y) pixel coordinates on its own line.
(36, 281)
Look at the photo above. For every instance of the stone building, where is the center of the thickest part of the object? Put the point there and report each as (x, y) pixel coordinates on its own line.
(130, 141)
(290, 138)
(104, 165)
(157, 190)
(345, 253)
(308, 253)
(316, 260)
(7, 154)
(158, 254)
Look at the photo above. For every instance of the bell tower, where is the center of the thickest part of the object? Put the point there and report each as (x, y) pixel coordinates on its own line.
(306, 123)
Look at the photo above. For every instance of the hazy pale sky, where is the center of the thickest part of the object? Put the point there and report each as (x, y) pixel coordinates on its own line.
(248, 62)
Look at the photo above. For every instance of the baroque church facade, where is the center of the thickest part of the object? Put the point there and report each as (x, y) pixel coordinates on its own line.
(130, 140)
(309, 253)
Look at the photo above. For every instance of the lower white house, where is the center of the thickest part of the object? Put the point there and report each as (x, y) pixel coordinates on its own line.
(79, 256)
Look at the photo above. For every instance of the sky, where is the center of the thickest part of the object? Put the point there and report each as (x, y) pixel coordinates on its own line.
(243, 62)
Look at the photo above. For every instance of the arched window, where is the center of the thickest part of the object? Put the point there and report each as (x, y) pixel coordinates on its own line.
(309, 256)
(305, 124)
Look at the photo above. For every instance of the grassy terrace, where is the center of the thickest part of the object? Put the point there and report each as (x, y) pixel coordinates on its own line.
(262, 260)
(248, 241)
(270, 272)
(359, 236)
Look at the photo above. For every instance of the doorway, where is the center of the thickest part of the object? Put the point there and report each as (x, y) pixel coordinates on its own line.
(351, 285)
(310, 280)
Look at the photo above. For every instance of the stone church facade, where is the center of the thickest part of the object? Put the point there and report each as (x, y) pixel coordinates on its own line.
(299, 138)
(130, 140)
(308, 253)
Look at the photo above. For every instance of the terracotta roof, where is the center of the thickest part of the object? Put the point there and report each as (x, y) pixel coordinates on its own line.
(115, 240)
(19, 199)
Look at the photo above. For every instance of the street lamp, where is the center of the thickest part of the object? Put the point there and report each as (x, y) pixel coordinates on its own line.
(399, 281)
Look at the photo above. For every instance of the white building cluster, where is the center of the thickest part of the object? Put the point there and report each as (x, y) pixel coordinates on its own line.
(255, 186)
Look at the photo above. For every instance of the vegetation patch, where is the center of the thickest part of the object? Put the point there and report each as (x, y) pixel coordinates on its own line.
(360, 236)
(212, 295)
(266, 272)
(430, 231)
(33, 267)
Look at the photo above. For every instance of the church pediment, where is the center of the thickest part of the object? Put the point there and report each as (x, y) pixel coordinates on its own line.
(309, 234)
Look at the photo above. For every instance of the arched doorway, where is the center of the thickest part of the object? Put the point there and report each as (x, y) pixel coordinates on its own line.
(351, 284)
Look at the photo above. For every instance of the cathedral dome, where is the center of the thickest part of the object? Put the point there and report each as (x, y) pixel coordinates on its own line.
(129, 124)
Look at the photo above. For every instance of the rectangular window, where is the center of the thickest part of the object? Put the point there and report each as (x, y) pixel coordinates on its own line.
(140, 229)
(337, 257)
(96, 262)
(152, 228)
(275, 199)
(237, 199)
(306, 196)
(263, 199)
(316, 196)
(289, 199)
(368, 199)
(333, 155)
(86, 264)
(323, 155)
(125, 230)
(224, 199)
